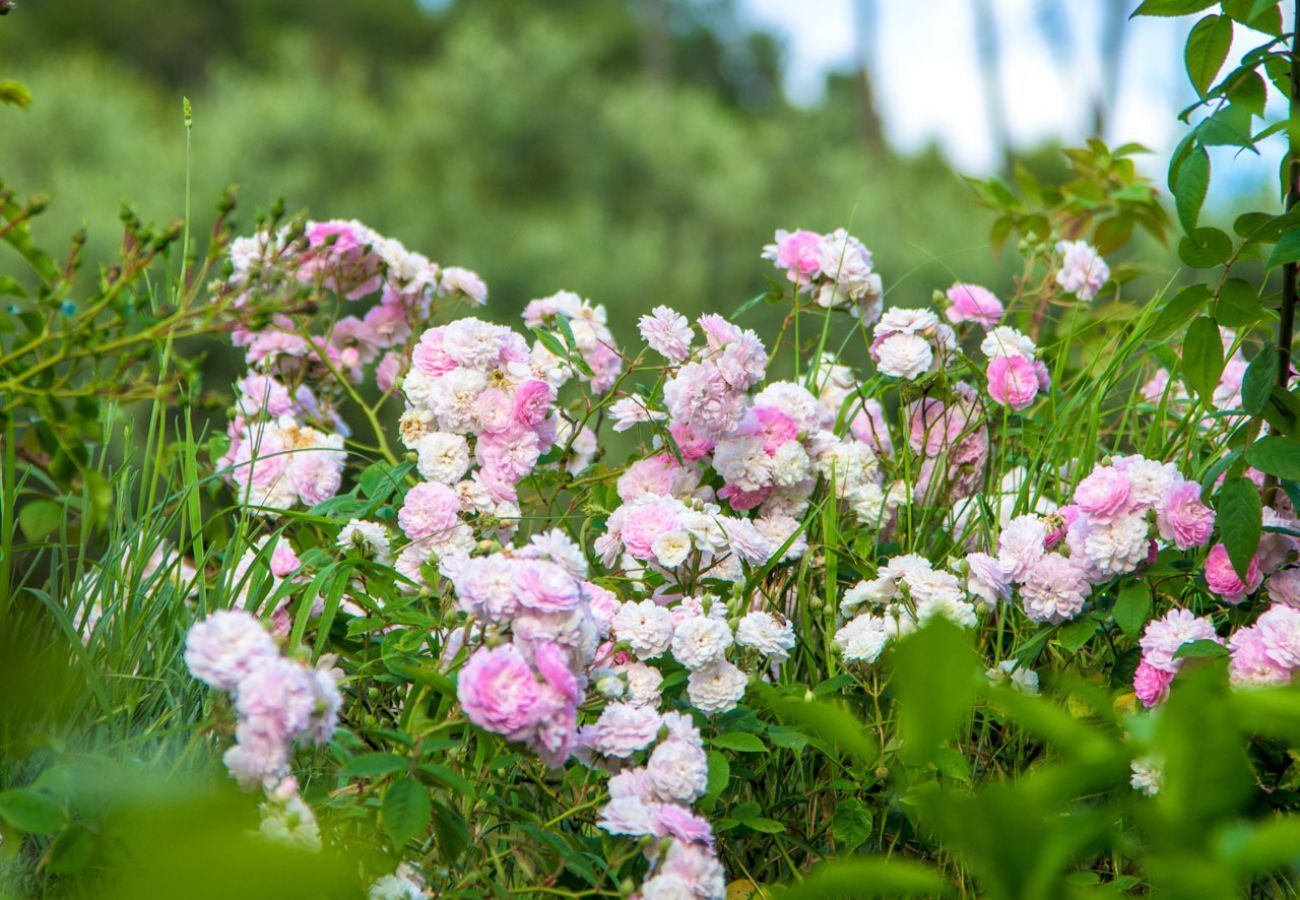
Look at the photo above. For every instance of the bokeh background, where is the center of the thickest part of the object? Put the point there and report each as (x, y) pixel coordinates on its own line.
(636, 151)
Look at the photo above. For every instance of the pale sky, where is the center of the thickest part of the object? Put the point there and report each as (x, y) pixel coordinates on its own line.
(928, 85)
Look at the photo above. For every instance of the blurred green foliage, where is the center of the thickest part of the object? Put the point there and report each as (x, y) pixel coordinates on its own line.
(533, 144)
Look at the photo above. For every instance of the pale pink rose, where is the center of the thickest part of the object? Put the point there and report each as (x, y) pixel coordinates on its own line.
(1222, 578)
(774, 426)
(499, 691)
(429, 511)
(972, 303)
(387, 371)
(532, 402)
(1284, 587)
(1012, 381)
(797, 253)
(1105, 495)
(690, 443)
(1151, 684)
(1183, 518)
(668, 333)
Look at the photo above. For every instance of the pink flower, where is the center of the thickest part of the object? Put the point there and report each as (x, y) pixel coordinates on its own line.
(546, 587)
(679, 822)
(532, 402)
(772, 425)
(429, 355)
(1083, 271)
(691, 444)
(623, 729)
(1251, 662)
(225, 647)
(700, 397)
(1183, 518)
(499, 691)
(284, 561)
(1151, 684)
(668, 333)
(1105, 495)
(797, 253)
(1222, 578)
(1012, 381)
(973, 303)
(742, 500)
(869, 426)
(644, 523)
(1284, 587)
(1162, 637)
(387, 371)
(429, 511)
(654, 475)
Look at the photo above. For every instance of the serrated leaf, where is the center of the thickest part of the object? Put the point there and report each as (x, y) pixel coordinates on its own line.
(1132, 607)
(851, 824)
(1205, 248)
(1179, 310)
(1259, 380)
(719, 773)
(740, 741)
(767, 826)
(406, 810)
(1190, 184)
(1240, 519)
(1206, 50)
(451, 833)
(1276, 455)
(1202, 360)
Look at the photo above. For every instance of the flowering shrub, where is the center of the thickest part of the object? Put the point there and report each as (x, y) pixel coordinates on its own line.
(511, 608)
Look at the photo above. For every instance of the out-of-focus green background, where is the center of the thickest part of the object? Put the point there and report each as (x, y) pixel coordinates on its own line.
(636, 152)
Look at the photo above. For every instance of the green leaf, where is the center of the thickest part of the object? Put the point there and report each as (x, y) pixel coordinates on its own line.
(865, 877)
(1238, 304)
(406, 809)
(1179, 310)
(380, 480)
(451, 833)
(39, 519)
(767, 826)
(935, 679)
(1132, 607)
(71, 850)
(740, 741)
(1240, 518)
(1203, 356)
(719, 773)
(1075, 635)
(9, 287)
(1275, 455)
(1259, 380)
(31, 811)
(822, 720)
(1201, 649)
(1205, 248)
(1207, 48)
(15, 93)
(851, 824)
(369, 765)
(1190, 184)
(1287, 249)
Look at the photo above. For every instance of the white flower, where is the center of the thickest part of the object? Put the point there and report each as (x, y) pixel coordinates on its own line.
(1117, 547)
(863, 639)
(369, 537)
(778, 529)
(790, 464)
(701, 641)
(629, 411)
(291, 823)
(403, 884)
(1021, 677)
(1147, 775)
(716, 688)
(904, 356)
(443, 457)
(766, 634)
(1083, 271)
(678, 771)
(743, 462)
(671, 548)
(1006, 341)
(623, 729)
(645, 627)
(643, 684)
(1021, 545)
